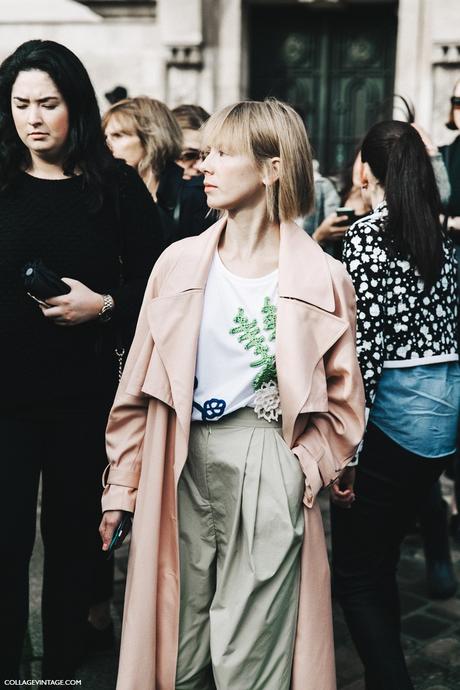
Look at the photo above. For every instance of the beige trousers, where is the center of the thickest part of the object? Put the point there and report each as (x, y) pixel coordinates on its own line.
(241, 529)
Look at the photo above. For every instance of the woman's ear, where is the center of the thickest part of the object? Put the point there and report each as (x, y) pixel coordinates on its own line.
(364, 175)
(271, 171)
(368, 179)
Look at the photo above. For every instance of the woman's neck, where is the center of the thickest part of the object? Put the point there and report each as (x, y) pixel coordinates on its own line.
(377, 195)
(151, 182)
(249, 246)
(45, 169)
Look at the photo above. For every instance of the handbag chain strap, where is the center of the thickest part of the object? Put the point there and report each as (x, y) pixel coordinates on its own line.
(120, 350)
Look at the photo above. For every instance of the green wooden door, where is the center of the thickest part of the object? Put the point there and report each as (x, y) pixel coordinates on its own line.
(336, 67)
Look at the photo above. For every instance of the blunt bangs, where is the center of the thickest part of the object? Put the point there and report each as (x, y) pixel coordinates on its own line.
(228, 130)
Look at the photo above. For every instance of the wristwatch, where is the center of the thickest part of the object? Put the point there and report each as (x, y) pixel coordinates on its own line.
(107, 307)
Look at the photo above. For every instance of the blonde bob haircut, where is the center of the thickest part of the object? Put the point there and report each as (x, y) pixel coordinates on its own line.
(155, 125)
(264, 130)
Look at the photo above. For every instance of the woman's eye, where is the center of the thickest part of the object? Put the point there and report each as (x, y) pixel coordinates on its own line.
(21, 107)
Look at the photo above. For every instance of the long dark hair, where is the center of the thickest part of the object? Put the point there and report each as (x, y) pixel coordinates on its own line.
(85, 149)
(397, 157)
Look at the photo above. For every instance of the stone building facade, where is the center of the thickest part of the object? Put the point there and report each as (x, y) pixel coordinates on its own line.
(213, 52)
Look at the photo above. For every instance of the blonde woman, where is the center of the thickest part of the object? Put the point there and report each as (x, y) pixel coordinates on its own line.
(144, 133)
(240, 400)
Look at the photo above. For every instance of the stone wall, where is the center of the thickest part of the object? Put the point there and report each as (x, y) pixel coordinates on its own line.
(114, 51)
(428, 59)
(196, 50)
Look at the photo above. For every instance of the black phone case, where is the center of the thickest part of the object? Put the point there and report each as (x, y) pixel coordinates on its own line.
(122, 529)
(41, 281)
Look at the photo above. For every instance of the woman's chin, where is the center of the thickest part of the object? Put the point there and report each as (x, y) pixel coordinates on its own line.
(214, 206)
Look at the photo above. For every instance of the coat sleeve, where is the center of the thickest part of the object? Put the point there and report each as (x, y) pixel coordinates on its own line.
(127, 419)
(331, 438)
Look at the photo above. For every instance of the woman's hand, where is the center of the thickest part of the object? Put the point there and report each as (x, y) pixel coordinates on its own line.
(342, 492)
(77, 306)
(329, 230)
(109, 522)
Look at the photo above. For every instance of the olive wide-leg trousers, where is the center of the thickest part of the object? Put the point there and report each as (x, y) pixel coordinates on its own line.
(241, 529)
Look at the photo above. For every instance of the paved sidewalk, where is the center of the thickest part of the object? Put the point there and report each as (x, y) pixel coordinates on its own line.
(431, 629)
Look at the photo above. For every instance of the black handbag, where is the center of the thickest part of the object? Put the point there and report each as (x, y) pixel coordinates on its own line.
(41, 282)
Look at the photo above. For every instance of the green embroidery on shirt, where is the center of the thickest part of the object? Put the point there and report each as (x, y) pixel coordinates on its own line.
(267, 374)
(250, 334)
(269, 310)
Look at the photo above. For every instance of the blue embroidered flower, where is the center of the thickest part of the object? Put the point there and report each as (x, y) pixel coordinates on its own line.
(212, 409)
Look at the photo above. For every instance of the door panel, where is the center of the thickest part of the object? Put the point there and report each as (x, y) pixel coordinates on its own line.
(335, 66)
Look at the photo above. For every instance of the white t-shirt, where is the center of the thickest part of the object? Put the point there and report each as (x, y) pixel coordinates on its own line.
(236, 346)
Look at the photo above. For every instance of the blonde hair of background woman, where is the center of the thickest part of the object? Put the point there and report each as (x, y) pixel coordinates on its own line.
(157, 128)
(264, 130)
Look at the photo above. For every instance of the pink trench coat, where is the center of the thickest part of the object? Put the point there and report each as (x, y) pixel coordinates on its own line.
(323, 421)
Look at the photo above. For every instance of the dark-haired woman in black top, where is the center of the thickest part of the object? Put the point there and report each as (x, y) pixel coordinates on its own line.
(404, 273)
(63, 199)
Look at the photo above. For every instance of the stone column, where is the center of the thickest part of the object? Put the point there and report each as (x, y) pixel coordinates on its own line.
(182, 41)
(413, 57)
(228, 69)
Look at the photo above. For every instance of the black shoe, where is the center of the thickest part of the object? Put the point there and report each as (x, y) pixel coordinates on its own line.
(441, 580)
(100, 640)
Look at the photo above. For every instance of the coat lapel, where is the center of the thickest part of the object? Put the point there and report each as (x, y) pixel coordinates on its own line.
(174, 320)
(306, 325)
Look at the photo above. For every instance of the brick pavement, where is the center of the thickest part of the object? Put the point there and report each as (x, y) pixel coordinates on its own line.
(431, 629)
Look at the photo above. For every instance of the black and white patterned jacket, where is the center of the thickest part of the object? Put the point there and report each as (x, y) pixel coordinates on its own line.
(398, 325)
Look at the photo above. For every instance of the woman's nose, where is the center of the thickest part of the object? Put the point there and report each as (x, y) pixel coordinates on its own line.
(204, 165)
(35, 116)
(196, 165)
(200, 165)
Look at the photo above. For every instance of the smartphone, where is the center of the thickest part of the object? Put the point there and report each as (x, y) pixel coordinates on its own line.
(39, 301)
(346, 211)
(121, 530)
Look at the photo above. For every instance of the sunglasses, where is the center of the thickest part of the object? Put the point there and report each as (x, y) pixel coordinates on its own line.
(455, 100)
(190, 155)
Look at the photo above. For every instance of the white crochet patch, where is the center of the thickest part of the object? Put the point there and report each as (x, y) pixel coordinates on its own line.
(267, 402)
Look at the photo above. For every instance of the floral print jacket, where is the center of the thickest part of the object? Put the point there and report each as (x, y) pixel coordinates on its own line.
(398, 323)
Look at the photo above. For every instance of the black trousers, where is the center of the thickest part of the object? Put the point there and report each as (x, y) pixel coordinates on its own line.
(434, 527)
(66, 447)
(391, 484)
